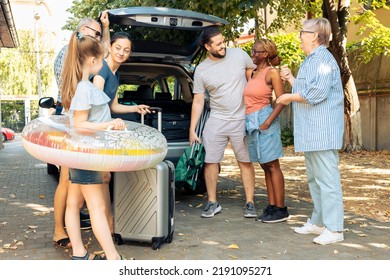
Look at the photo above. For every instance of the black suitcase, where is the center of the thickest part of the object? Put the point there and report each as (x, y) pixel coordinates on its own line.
(175, 126)
(144, 204)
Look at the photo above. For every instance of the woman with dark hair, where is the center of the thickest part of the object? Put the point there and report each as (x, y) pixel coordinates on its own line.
(263, 128)
(108, 80)
(318, 102)
(108, 77)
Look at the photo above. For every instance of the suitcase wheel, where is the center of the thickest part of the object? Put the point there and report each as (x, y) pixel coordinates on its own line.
(156, 245)
(118, 239)
(170, 238)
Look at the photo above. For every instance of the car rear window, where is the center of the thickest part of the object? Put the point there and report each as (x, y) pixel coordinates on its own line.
(161, 40)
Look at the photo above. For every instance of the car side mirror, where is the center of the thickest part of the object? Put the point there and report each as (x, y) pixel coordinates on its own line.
(47, 102)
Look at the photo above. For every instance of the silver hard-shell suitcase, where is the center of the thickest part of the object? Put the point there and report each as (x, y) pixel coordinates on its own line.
(144, 204)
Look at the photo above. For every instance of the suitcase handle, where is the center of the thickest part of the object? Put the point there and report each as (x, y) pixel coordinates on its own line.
(155, 109)
(159, 117)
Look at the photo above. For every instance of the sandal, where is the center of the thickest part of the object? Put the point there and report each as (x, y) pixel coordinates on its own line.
(63, 243)
(100, 257)
(87, 257)
(124, 258)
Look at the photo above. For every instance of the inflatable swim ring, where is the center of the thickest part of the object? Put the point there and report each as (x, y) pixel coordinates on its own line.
(52, 140)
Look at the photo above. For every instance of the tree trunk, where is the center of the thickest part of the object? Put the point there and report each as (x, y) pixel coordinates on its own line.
(338, 18)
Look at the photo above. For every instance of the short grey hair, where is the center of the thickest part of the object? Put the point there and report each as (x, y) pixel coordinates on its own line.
(322, 27)
(85, 22)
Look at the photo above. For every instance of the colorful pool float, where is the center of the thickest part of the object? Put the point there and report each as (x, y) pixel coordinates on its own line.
(52, 140)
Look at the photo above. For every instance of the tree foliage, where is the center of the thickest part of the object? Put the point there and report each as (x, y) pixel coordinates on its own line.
(237, 12)
(13, 113)
(240, 12)
(378, 39)
(289, 49)
(18, 69)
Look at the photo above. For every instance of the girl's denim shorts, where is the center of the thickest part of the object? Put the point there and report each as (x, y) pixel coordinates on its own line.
(85, 177)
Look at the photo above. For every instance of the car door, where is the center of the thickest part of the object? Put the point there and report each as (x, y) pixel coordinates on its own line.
(162, 34)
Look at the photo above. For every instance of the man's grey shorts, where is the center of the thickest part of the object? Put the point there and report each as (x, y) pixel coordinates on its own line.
(216, 135)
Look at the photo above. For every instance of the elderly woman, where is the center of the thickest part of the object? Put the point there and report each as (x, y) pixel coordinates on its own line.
(318, 105)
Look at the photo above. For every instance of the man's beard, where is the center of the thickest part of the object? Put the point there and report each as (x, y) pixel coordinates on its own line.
(217, 54)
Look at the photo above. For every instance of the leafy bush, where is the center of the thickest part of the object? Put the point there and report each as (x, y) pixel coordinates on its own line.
(287, 135)
(289, 49)
(12, 114)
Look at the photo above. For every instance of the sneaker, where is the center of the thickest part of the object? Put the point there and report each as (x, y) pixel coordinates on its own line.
(211, 209)
(84, 224)
(266, 212)
(329, 237)
(276, 215)
(250, 210)
(309, 228)
(84, 216)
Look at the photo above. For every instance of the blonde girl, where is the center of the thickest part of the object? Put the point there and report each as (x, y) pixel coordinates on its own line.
(88, 108)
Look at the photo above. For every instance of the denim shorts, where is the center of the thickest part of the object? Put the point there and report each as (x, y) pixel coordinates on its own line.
(264, 145)
(85, 177)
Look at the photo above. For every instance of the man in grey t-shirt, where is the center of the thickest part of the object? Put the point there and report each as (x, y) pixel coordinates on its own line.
(223, 76)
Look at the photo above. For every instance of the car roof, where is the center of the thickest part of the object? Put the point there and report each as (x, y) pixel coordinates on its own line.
(162, 34)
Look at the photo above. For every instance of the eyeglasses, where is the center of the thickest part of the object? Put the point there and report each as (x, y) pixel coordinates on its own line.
(97, 33)
(305, 31)
(256, 52)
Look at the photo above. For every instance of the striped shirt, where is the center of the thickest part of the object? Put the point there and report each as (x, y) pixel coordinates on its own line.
(58, 64)
(319, 124)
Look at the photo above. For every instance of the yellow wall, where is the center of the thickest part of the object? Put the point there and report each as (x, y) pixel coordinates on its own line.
(382, 15)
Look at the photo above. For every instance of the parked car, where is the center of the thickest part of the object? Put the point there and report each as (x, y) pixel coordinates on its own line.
(159, 70)
(7, 133)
